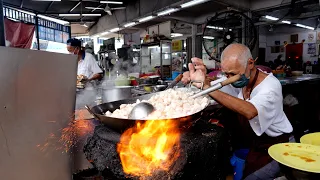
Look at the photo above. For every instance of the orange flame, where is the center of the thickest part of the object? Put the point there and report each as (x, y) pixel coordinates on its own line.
(149, 147)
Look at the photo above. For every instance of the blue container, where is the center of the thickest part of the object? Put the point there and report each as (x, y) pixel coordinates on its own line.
(175, 74)
(238, 162)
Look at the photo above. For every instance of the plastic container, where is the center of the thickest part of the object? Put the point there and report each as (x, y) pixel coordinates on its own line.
(175, 74)
(238, 161)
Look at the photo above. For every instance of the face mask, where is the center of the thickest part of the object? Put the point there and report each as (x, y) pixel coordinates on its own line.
(74, 52)
(242, 82)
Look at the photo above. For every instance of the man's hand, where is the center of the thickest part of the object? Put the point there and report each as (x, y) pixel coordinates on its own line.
(199, 65)
(186, 78)
(197, 72)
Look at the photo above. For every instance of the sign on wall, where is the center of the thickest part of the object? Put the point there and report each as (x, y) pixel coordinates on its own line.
(53, 35)
(177, 46)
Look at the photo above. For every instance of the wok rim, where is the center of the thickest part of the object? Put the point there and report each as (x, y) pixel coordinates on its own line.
(122, 119)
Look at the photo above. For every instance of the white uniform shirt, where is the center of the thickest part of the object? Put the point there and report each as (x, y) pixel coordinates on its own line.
(267, 98)
(88, 66)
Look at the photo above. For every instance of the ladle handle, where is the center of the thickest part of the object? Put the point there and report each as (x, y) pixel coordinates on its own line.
(175, 81)
(91, 112)
(217, 86)
(230, 80)
(209, 90)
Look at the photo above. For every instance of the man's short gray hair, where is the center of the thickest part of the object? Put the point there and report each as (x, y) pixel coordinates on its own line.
(237, 51)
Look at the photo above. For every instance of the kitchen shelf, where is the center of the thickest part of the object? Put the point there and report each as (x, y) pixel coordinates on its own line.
(156, 58)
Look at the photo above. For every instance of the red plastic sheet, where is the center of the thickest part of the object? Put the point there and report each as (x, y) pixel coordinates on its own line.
(18, 34)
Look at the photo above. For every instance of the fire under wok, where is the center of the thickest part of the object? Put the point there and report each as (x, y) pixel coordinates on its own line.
(120, 125)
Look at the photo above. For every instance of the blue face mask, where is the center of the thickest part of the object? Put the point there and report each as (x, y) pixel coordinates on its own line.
(242, 82)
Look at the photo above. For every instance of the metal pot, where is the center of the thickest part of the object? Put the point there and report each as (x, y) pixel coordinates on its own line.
(116, 93)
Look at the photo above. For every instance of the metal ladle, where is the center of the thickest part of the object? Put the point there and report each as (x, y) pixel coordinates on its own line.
(142, 110)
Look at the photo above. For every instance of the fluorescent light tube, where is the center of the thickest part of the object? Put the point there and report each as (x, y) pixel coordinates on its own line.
(114, 30)
(168, 11)
(91, 14)
(308, 27)
(73, 15)
(129, 24)
(208, 37)
(150, 47)
(214, 27)
(111, 2)
(146, 18)
(53, 19)
(304, 26)
(105, 33)
(300, 25)
(69, 15)
(271, 18)
(286, 22)
(192, 3)
(176, 34)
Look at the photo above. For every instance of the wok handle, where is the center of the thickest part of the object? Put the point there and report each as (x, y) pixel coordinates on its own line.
(91, 112)
(175, 81)
(217, 86)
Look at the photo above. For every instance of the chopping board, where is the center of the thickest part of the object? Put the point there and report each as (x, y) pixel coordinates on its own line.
(82, 114)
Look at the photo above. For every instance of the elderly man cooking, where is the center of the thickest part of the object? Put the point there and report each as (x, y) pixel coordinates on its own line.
(257, 98)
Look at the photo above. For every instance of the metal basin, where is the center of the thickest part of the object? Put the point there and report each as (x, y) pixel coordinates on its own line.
(116, 93)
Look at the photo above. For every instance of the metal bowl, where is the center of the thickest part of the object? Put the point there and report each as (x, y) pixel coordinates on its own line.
(155, 88)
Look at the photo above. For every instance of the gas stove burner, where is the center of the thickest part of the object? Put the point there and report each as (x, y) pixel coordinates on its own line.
(107, 134)
(202, 151)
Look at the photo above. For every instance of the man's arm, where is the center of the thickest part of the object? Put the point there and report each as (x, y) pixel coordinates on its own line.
(95, 77)
(97, 72)
(235, 104)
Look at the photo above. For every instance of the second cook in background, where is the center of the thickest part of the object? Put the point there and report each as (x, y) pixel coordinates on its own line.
(87, 65)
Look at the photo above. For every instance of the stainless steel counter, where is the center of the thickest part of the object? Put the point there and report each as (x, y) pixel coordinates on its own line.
(298, 79)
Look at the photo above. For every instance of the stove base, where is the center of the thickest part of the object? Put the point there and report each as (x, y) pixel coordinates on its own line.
(203, 154)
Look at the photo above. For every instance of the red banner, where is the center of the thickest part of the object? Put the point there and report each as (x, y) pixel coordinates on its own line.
(18, 34)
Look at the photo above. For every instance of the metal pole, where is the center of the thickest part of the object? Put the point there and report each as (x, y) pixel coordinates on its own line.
(69, 31)
(2, 30)
(37, 31)
(193, 42)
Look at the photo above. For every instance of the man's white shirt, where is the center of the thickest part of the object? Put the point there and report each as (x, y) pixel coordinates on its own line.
(88, 66)
(267, 98)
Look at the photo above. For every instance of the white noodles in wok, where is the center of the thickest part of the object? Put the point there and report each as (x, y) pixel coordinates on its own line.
(168, 104)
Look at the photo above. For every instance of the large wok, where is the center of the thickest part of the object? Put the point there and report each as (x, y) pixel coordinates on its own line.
(121, 125)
